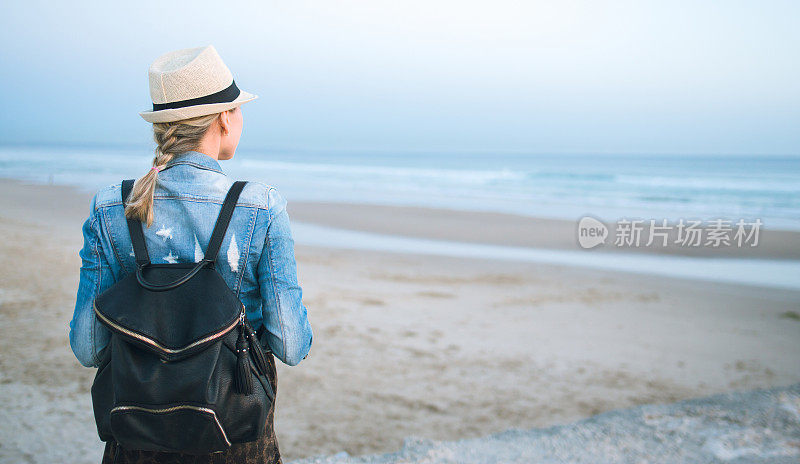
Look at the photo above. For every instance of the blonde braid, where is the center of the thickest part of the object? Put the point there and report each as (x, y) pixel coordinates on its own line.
(171, 138)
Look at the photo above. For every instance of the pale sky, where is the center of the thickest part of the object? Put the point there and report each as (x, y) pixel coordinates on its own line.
(539, 77)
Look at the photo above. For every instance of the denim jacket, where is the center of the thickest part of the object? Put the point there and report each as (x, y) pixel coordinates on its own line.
(256, 258)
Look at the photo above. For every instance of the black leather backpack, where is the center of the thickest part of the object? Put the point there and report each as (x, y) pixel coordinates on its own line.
(183, 370)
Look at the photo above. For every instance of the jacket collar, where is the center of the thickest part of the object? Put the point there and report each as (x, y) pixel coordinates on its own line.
(196, 159)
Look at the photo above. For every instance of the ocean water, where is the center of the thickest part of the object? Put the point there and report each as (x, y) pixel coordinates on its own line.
(609, 187)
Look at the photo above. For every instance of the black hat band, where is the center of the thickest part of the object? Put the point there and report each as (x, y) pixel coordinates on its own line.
(226, 95)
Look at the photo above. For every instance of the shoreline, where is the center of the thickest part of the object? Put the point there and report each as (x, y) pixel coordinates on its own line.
(494, 228)
(752, 272)
(774, 263)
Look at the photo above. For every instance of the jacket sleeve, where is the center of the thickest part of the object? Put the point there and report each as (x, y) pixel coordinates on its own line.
(87, 336)
(288, 331)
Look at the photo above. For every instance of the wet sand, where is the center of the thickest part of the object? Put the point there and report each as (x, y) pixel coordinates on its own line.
(439, 347)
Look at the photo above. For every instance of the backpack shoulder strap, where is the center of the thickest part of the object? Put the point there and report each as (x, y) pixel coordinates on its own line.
(135, 228)
(223, 219)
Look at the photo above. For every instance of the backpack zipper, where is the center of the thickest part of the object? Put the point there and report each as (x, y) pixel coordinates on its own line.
(161, 347)
(175, 408)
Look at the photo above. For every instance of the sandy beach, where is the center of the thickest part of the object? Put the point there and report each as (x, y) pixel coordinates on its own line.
(408, 344)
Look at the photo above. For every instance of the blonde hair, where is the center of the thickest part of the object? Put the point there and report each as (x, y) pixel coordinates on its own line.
(171, 139)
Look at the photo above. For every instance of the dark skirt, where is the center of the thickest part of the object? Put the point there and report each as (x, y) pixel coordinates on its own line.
(261, 451)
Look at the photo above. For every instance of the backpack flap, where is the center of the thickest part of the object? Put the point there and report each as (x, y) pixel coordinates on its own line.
(166, 322)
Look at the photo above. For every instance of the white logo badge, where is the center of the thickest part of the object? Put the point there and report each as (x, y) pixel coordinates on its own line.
(591, 232)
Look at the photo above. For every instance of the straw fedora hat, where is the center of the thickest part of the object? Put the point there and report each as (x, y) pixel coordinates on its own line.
(191, 82)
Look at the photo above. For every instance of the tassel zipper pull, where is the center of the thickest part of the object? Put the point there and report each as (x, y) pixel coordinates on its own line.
(243, 378)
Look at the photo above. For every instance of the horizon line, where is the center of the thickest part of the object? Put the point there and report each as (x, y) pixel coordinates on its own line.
(384, 150)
